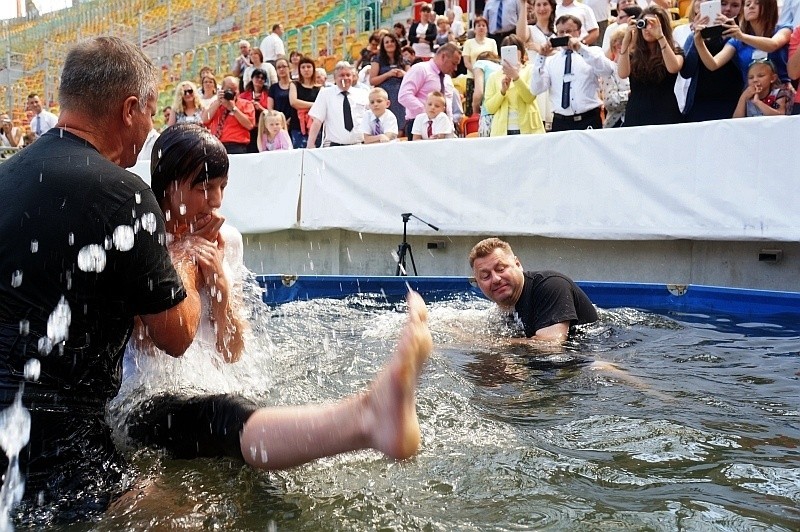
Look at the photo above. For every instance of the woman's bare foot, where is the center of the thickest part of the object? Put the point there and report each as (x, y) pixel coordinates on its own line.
(391, 417)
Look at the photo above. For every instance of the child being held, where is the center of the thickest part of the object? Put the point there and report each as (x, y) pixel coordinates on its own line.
(763, 95)
(434, 123)
(272, 134)
(379, 123)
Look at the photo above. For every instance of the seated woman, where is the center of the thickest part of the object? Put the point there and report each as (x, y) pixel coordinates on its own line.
(186, 107)
(189, 173)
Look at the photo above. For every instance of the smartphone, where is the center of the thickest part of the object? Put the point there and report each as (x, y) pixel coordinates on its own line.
(712, 10)
(509, 54)
(712, 32)
(555, 42)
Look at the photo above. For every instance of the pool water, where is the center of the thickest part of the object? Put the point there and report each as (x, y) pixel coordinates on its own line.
(643, 422)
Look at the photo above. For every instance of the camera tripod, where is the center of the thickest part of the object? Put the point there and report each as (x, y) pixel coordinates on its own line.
(405, 248)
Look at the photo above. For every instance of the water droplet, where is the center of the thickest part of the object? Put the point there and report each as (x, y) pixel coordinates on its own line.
(16, 278)
(138, 198)
(58, 322)
(92, 258)
(71, 239)
(24, 327)
(32, 370)
(15, 427)
(34, 246)
(123, 237)
(182, 209)
(108, 242)
(168, 215)
(44, 346)
(149, 222)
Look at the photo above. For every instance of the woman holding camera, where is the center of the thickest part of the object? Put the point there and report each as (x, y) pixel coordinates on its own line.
(651, 60)
(10, 136)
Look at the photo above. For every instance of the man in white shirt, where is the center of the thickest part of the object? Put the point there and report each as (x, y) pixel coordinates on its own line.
(589, 29)
(571, 77)
(602, 11)
(340, 109)
(272, 45)
(42, 120)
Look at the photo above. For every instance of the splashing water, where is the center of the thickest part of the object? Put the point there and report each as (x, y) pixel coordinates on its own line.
(32, 370)
(149, 223)
(123, 237)
(15, 431)
(92, 258)
(57, 326)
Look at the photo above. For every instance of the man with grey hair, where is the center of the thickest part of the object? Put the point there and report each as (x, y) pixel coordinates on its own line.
(340, 109)
(82, 256)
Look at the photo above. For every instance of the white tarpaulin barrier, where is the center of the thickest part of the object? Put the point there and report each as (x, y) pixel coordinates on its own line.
(724, 180)
(263, 190)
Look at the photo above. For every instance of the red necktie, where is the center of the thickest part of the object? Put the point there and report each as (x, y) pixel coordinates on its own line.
(430, 128)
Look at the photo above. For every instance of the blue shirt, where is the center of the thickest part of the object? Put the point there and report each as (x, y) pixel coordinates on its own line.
(744, 56)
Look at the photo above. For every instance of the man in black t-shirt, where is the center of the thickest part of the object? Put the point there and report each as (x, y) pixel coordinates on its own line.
(548, 303)
(82, 254)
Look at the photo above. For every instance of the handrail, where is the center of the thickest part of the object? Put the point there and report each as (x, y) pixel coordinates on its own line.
(345, 32)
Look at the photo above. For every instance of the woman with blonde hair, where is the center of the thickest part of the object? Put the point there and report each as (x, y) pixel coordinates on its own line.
(186, 108)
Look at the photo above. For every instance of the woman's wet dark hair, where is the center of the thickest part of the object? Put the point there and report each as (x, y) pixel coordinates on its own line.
(185, 152)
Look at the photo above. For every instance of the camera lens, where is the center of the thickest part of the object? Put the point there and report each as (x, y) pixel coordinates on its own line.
(229, 94)
(641, 23)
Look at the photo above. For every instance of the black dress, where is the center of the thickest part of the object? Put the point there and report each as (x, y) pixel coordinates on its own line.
(652, 103)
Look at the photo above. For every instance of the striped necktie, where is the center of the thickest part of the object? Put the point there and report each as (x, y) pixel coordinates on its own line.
(378, 127)
(498, 24)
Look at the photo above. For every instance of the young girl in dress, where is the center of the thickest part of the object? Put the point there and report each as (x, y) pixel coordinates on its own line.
(272, 134)
(763, 95)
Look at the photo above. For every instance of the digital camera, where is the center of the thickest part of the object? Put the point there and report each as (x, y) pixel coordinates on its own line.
(229, 94)
(641, 23)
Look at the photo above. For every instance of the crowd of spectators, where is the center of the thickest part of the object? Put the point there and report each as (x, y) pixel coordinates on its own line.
(524, 67)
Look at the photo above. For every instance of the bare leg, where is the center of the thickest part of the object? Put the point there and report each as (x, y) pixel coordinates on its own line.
(383, 418)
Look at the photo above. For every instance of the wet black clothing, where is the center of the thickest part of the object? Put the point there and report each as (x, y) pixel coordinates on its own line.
(548, 298)
(64, 203)
(192, 427)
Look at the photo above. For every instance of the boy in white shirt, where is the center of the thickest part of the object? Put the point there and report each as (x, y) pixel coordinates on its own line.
(379, 123)
(434, 124)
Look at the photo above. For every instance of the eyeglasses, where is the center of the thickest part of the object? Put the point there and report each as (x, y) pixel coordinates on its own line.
(259, 77)
(188, 91)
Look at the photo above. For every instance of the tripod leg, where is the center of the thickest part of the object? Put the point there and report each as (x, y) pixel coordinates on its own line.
(411, 255)
(401, 260)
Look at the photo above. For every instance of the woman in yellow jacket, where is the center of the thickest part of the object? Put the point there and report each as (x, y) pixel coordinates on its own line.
(509, 98)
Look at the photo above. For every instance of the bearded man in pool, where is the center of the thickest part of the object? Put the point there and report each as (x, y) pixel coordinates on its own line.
(548, 303)
(82, 254)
